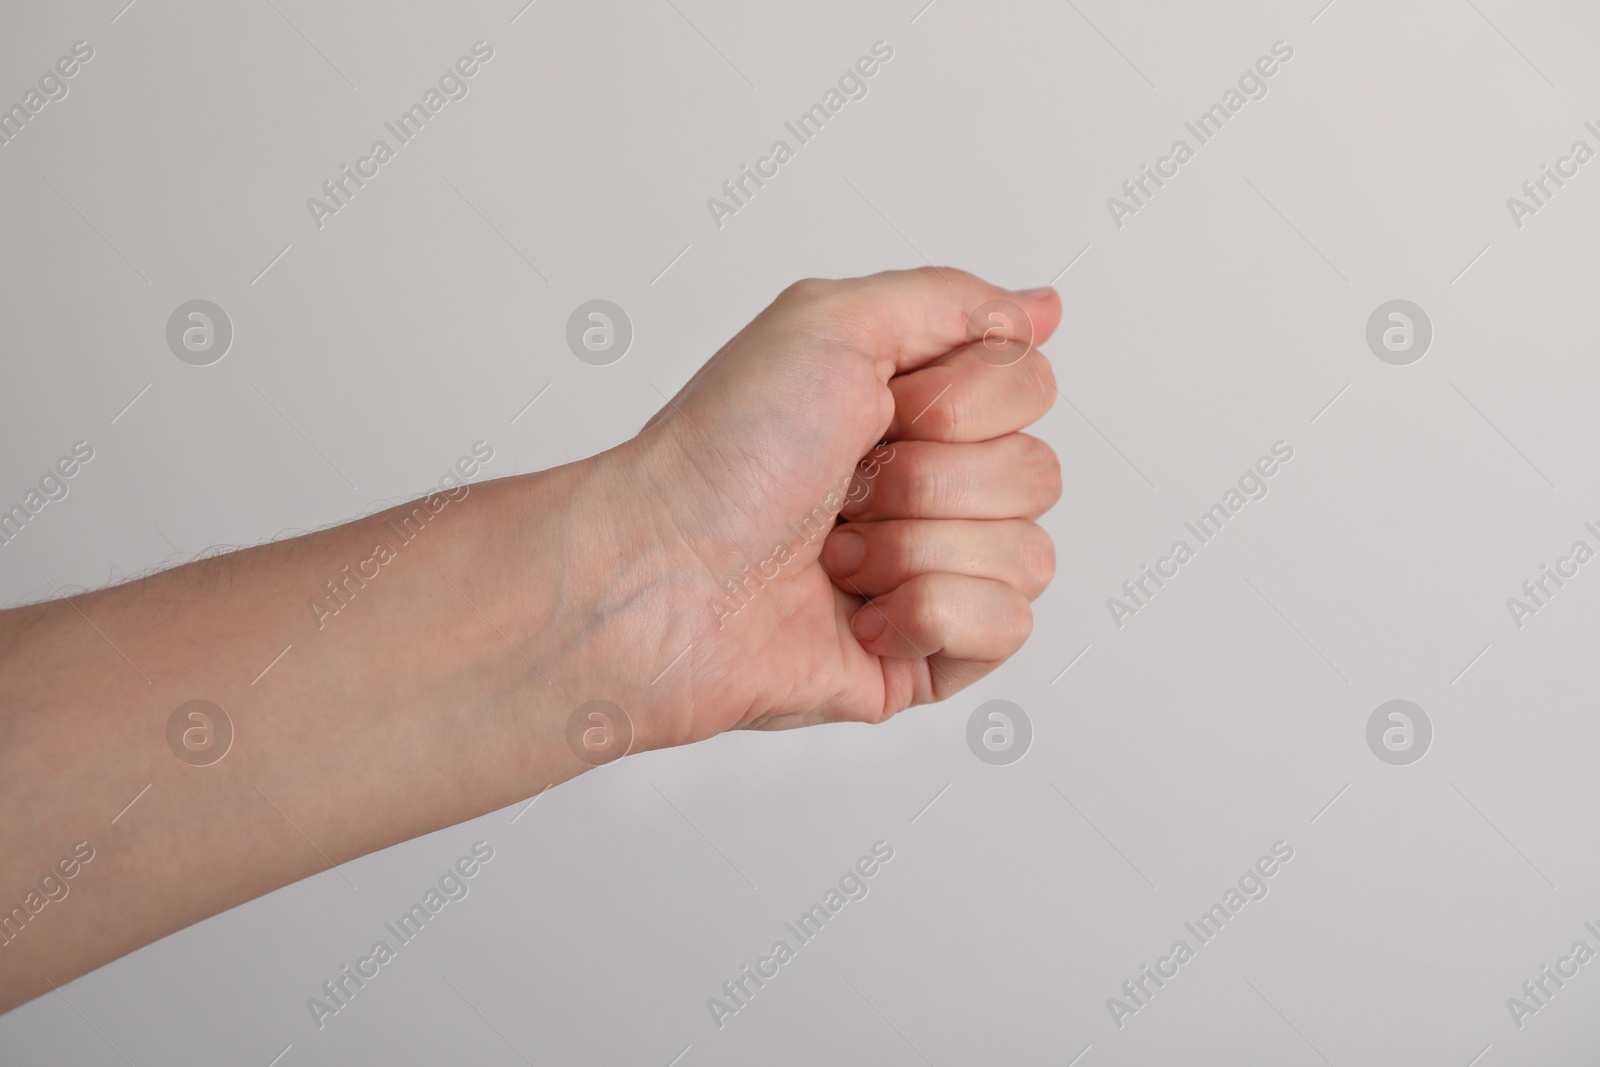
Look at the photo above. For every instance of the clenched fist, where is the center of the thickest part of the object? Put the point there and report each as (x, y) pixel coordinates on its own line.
(893, 402)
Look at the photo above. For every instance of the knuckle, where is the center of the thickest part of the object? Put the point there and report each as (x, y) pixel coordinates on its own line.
(942, 275)
(926, 611)
(1036, 558)
(1024, 623)
(945, 417)
(963, 414)
(1041, 376)
(1015, 621)
(807, 292)
(942, 490)
(904, 549)
(916, 472)
(1044, 471)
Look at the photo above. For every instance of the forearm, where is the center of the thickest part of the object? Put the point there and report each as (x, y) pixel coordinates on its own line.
(430, 658)
(736, 564)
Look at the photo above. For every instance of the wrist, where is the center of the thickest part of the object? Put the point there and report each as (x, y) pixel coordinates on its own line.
(572, 565)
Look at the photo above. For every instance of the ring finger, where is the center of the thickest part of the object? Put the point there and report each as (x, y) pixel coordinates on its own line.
(871, 558)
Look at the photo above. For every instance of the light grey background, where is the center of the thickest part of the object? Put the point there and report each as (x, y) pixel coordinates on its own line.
(1223, 317)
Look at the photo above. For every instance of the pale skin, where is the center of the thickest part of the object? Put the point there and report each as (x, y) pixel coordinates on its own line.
(443, 690)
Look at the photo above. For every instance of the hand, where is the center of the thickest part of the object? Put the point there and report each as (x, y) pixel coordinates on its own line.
(744, 471)
(697, 576)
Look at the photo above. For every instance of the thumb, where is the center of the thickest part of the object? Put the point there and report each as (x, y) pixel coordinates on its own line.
(910, 317)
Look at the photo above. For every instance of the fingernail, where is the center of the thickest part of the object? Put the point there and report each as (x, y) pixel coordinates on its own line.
(1042, 293)
(843, 553)
(869, 622)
